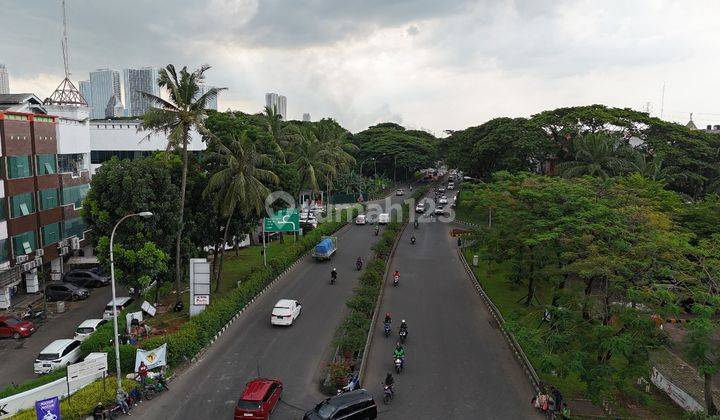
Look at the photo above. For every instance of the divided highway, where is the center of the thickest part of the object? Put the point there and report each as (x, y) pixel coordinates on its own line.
(458, 365)
(251, 347)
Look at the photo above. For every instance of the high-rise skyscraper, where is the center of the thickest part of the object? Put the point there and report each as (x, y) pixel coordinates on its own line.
(86, 91)
(211, 103)
(104, 84)
(4, 80)
(136, 81)
(306, 117)
(277, 102)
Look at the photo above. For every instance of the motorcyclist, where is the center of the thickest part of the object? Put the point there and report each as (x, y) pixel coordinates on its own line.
(415, 224)
(333, 274)
(412, 239)
(388, 318)
(397, 274)
(29, 313)
(377, 230)
(403, 326)
(399, 353)
(389, 381)
(358, 263)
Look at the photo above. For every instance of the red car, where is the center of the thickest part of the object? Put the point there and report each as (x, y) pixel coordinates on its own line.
(258, 399)
(13, 327)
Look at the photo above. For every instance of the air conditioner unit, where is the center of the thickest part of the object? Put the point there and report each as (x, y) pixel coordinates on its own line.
(38, 261)
(63, 243)
(39, 252)
(27, 266)
(75, 243)
(21, 259)
(64, 250)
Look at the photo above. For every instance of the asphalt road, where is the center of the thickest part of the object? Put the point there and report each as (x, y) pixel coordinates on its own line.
(251, 347)
(18, 355)
(458, 364)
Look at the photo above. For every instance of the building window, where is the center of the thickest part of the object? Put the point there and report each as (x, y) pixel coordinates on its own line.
(3, 209)
(18, 167)
(50, 234)
(43, 119)
(22, 205)
(74, 227)
(74, 162)
(48, 198)
(75, 195)
(16, 117)
(24, 243)
(46, 164)
(4, 251)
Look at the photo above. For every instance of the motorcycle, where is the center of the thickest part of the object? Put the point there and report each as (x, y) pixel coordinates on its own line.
(415, 224)
(399, 364)
(403, 336)
(387, 329)
(154, 386)
(332, 279)
(377, 230)
(358, 265)
(31, 315)
(396, 281)
(412, 240)
(388, 394)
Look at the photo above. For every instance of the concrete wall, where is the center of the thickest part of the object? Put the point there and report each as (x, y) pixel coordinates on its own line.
(124, 136)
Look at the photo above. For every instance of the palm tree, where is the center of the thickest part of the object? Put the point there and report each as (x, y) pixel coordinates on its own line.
(596, 155)
(175, 117)
(240, 183)
(278, 132)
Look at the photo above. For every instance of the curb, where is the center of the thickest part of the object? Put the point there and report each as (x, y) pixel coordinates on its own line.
(495, 312)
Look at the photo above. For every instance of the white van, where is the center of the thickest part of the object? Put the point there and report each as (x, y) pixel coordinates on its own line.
(383, 218)
(58, 354)
(88, 327)
(121, 303)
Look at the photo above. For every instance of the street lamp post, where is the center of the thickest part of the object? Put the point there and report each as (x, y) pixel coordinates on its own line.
(144, 214)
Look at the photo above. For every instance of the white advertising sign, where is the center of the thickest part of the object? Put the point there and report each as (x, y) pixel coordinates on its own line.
(88, 367)
(201, 300)
(199, 285)
(152, 358)
(148, 308)
(680, 397)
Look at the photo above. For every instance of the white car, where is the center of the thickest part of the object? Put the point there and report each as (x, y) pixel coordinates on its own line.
(383, 218)
(420, 208)
(83, 331)
(400, 192)
(121, 304)
(361, 219)
(451, 186)
(441, 189)
(285, 312)
(57, 355)
(439, 210)
(443, 200)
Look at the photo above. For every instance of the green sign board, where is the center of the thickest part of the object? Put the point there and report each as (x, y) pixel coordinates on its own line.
(286, 220)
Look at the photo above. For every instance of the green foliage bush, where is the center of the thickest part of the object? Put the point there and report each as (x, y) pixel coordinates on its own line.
(42, 380)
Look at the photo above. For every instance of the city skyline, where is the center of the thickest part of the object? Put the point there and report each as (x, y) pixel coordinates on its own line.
(4, 80)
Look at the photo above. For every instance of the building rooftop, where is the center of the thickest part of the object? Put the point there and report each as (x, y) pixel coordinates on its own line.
(22, 102)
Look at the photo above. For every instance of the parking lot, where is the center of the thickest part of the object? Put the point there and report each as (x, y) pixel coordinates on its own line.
(17, 356)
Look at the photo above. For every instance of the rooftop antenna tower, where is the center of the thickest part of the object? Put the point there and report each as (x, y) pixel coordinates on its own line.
(66, 92)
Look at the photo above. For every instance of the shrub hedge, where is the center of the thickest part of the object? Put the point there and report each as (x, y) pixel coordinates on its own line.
(195, 334)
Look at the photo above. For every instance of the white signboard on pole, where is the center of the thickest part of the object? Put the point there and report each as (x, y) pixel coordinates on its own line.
(89, 367)
(199, 285)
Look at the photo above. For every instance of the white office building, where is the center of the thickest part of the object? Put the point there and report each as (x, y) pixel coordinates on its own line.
(277, 102)
(136, 81)
(104, 84)
(306, 117)
(4, 80)
(86, 92)
(121, 138)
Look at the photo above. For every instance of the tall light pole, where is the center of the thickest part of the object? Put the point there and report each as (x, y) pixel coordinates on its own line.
(144, 214)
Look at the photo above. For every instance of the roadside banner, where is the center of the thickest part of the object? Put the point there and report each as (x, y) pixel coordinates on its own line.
(48, 409)
(152, 358)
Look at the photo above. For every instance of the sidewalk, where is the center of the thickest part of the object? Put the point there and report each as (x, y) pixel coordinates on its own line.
(21, 301)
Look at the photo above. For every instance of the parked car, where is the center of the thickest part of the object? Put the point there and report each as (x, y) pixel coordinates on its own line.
(420, 208)
(259, 399)
(451, 186)
(383, 218)
(361, 219)
(85, 278)
(88, 327)
(285, 312)
(439, 210)
(58, 354)
(400, 191)
(441, 189)
(443, 200)
(358, 404)
(15, 328)
(65, 291)
(120, 303)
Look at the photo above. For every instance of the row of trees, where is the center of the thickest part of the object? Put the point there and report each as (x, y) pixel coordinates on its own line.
(591, 140)
(204, 200)
(602, 257)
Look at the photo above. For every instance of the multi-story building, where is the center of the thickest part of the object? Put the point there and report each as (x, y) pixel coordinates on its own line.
(121, 138)
(4, 80)
(278, 103)
(114, 108)
(86, 91)
(140, 80)
(105, 84)
(44, 177)
(306, 117)
(212, 102)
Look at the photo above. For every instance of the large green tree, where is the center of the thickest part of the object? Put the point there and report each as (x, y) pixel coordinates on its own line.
(184, 111)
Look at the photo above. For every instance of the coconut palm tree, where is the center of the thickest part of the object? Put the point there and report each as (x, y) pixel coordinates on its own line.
(176, 117)
(595, 155)
(239, 183)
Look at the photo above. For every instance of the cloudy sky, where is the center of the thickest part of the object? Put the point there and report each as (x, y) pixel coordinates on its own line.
(430, 64)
